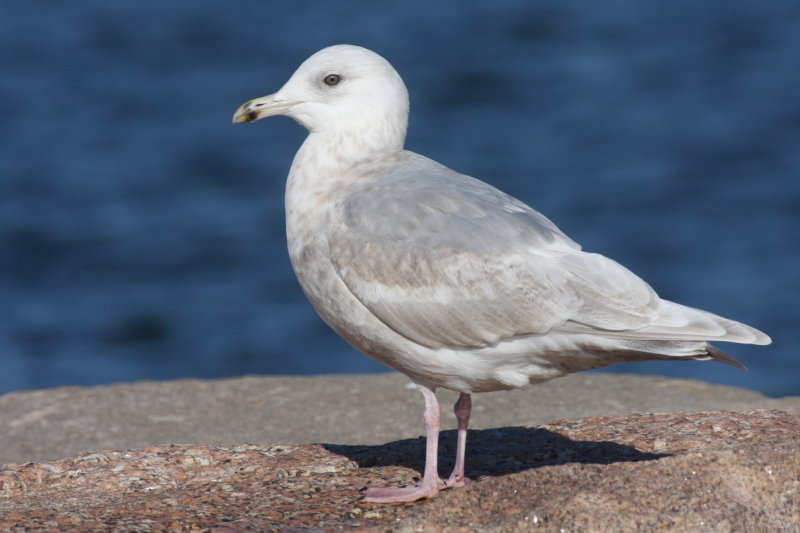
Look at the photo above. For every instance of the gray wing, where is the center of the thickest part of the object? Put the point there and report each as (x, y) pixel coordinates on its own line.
(445, 259)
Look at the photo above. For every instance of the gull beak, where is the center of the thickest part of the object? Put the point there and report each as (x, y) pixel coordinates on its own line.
(259, 108)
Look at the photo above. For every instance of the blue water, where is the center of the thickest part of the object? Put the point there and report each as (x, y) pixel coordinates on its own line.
(141, 233)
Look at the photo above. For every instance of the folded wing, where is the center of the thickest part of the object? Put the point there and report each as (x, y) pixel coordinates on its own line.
(447, 260)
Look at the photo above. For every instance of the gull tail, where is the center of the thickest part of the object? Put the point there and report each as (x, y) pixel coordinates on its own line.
(715, 354)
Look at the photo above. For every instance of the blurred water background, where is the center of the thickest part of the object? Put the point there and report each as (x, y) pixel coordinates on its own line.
(142, 234)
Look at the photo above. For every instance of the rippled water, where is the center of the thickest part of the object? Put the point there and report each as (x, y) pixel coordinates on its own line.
(142, 233)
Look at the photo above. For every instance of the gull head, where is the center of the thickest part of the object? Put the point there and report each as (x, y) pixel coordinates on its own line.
(340, 89)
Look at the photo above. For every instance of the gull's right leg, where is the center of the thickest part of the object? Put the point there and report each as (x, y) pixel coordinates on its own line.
(430, 484)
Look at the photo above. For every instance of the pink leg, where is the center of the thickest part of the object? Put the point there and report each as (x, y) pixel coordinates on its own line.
(431, 484)
(462, 409)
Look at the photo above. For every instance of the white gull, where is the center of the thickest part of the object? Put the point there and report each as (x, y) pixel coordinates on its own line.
(442, 276)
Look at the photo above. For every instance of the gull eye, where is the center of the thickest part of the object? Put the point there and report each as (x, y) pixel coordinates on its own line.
(332, 79)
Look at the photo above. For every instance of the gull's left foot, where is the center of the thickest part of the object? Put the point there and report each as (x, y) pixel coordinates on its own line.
(453, 482)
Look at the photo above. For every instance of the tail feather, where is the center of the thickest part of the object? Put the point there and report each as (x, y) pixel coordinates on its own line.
(677, 350)
(716, 354)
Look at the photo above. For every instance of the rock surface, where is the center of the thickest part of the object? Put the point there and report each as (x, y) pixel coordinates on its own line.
(706, 471)
(50, 424)
(720, 471)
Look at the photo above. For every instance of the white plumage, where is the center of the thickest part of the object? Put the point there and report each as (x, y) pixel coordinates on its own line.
(442, 276)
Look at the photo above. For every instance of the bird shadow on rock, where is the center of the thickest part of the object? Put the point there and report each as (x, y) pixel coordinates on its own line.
(494, 452)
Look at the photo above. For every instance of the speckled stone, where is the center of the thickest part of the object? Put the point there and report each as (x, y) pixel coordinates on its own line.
(717, 471)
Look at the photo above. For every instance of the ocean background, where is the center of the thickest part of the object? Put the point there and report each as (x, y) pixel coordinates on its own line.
(142, 234)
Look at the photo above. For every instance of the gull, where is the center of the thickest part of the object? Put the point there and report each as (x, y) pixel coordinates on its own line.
(443, 277)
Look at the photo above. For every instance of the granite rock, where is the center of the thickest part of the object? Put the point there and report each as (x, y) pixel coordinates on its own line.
(715, 471)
